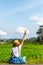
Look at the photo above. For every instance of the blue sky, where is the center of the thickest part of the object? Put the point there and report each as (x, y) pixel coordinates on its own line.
(20, 13)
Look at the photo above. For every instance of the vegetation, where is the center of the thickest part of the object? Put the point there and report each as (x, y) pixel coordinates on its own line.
(33, 53)
(40, 34)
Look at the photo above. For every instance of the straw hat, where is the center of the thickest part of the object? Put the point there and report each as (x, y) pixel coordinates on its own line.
(16, 43)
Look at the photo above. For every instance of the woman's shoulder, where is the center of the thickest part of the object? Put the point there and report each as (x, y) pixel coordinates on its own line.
(12, 49)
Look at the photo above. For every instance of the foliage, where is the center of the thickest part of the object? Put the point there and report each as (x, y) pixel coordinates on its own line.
(33, 53)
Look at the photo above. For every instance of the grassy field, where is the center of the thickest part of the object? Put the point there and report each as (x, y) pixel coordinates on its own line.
(33, 53)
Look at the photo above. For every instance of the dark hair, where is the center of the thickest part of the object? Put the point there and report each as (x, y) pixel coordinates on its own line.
(15, 45)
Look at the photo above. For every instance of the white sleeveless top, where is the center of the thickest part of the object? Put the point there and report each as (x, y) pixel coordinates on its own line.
(16, 51)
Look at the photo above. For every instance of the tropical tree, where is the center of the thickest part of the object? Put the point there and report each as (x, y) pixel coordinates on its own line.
(40, 34)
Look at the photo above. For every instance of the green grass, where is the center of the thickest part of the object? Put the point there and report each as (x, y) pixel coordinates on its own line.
(33, 53)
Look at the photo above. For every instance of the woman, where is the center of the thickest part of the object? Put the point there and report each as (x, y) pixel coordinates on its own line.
(16, 52)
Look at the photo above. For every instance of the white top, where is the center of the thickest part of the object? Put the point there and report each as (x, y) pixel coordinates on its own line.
(16, 51)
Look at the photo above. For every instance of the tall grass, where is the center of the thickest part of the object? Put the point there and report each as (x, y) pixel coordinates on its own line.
(33, 53)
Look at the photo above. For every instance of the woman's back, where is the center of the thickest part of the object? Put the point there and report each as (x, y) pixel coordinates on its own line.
(16, 51)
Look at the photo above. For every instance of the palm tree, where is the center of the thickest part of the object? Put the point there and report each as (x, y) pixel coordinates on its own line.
(40, 34)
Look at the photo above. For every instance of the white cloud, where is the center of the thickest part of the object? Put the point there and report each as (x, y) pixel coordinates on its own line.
(38, 19)
(22, 29)
(3, 33)
(40, 23)
(34, 17)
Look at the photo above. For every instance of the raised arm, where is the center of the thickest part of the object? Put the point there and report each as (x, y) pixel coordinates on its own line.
(22, 41)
